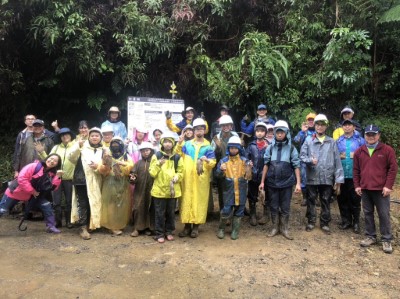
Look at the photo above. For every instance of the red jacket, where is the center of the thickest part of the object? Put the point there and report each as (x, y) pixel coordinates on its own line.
(377, 171)
(24, 191)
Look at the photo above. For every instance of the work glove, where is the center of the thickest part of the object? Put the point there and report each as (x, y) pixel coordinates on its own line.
(336, 188)
(168, 114)
(199, 167)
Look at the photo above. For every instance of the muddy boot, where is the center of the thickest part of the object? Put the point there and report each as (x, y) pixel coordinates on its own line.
(58, 217)
(84, 233)
(50, 224)
(221, 227)
(195, 231)
(275, 226)
(304, 201)
(265, 216)
(235, 227)
(284, 227)
(67, 215)
(186, 231)
(253, 214)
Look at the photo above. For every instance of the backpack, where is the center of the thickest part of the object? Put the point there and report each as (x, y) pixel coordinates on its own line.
(14, 183)
(159, 155)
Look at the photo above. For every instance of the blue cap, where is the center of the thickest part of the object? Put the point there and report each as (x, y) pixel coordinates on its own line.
(262, 107)
(371, 129)
(63, 131)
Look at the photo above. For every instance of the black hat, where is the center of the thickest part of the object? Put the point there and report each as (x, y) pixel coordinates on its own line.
(38, 122)
(348, 121)
(224, 107)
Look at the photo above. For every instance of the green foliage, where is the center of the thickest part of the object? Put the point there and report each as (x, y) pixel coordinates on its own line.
(346, 59)
(391, 15)
(7, 171)
(295, 56)
(390, 131)
(254, 73)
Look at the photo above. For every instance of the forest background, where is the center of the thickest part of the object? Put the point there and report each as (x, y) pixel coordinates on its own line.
(73, 59)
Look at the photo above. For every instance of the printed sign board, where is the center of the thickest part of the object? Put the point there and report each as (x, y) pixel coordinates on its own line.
(150, 113)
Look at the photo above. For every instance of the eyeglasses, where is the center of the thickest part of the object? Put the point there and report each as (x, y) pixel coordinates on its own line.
(30, 118)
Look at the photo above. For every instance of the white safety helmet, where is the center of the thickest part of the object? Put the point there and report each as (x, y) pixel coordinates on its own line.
(281, 124)
(141, 129)
(321, 118)
(117, 139)
(146, 145)
(199, 122)
(107, 129)
(188, 127)
(95, 129)
(261, 124)
(167, 135)
(225, 120)
(234, 140)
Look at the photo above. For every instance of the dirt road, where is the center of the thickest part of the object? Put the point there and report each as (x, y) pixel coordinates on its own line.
(34, 264)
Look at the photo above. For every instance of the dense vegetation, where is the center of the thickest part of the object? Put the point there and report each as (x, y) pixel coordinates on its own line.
(67, 59)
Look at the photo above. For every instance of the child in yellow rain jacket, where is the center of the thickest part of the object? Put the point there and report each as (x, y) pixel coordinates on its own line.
(167, 170)
(236, 170)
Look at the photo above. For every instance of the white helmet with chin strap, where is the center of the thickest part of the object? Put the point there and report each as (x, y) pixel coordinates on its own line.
(199, 122)
(225, 120)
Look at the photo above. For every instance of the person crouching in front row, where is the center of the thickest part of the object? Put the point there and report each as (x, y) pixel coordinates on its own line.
(236, 170)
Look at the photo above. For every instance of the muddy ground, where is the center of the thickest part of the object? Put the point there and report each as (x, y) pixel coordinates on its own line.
(35, 264)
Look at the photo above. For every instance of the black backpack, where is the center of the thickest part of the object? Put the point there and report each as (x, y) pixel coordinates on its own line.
(159, 155)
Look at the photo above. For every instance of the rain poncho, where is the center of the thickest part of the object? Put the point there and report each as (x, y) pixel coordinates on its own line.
(119, 128)
(196, 187)
(115, 196)
(142, 196)
(133, 146)
(93, 179)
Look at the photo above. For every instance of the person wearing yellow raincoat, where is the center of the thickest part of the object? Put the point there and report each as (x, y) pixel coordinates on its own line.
(167, 170)
(198, 162)
(115, 193)
(88, 156)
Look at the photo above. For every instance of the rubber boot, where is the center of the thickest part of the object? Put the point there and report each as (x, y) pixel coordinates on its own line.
(195, 231)
(265, 216)
(186, 231)
(50, 224)
(253, 214)
(304, 201)
(235, 227)
(84, 233)
(221, 227)
(284, 227)
(58, 217)
(275, 226)
(67, 215)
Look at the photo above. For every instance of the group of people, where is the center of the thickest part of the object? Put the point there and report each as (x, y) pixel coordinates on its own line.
(109, 179)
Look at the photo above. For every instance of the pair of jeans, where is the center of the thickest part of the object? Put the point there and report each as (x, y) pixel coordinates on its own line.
(237, 211)
(7, 203)
(325, 192)
(349, 203)
(83, 205)
(370, 200)
(280, 200)
(165, 216)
